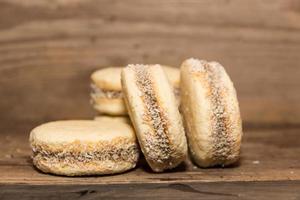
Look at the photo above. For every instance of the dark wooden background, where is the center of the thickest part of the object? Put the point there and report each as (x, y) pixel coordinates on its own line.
(49, 48)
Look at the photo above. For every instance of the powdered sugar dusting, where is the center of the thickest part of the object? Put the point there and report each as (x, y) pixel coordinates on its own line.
(195, 65)
(157, 144)
(222, 124)
(97, 92)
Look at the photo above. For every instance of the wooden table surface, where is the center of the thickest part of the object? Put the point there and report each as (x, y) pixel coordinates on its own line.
(49, 49)
(269, 168)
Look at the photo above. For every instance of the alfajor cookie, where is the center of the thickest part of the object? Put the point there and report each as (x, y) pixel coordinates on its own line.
(84, 147)
(211, 113)
(106, 93)
(154, 113)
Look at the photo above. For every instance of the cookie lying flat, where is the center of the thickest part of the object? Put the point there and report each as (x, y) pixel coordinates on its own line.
(154, 113)
(106, 94)
(84, 147)
(211, 113)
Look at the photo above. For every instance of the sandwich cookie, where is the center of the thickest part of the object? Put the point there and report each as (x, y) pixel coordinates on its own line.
(84, 147)
(211, 113)
(106, 89)
(154, 113)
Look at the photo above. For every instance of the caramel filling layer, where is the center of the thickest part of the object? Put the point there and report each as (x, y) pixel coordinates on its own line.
(129, 154)
(110, 94)
(157, 144)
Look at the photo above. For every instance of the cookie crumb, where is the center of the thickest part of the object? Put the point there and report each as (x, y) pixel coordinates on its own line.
(256, 162)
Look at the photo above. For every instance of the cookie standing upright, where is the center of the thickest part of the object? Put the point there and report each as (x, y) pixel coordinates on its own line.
(107, 95)
(84, 147)
(211, 113)
(154, 113)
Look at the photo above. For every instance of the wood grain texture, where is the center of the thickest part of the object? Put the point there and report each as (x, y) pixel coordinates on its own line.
(210, 191)
(49, 48)
(269, 169)
(268, 155)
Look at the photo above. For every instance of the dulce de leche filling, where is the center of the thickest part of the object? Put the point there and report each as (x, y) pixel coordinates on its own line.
(127, 154)
(110, 94)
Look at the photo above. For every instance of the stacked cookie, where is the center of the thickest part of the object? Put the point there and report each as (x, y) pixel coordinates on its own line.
(107, 95)
(149, 94)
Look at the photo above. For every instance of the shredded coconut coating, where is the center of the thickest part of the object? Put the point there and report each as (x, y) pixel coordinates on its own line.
(157, 144)
(127, 153)
(222, 126)
(97, 92)
(196, 65)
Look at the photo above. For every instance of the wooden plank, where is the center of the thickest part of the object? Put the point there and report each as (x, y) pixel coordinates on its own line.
(230, 190)
(267, 155)
(45, 45)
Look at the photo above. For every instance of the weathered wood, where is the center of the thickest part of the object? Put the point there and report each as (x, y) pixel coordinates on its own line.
(228, 190)
(268, 155)
(269, 169)
(49, 48)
